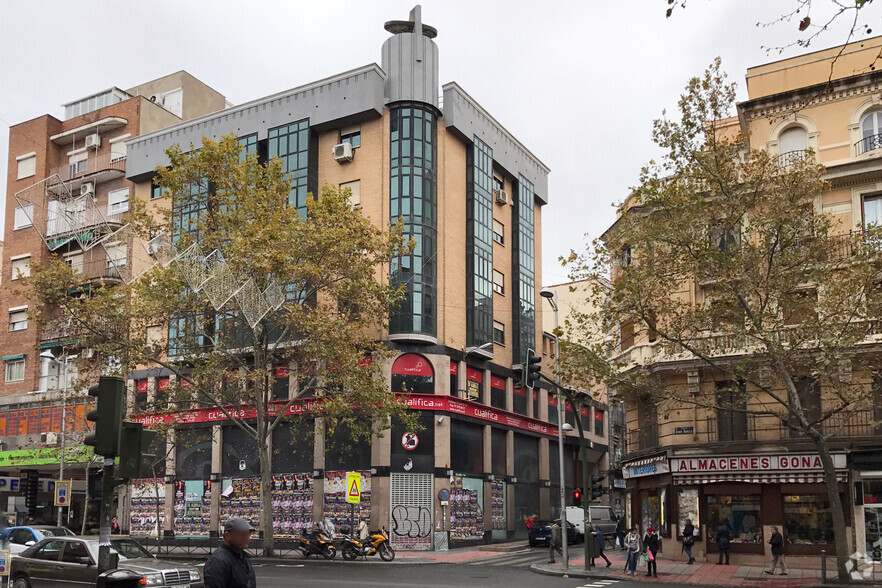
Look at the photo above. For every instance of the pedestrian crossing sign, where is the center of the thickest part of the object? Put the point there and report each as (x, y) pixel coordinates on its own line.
(353, 487)
(62, 493)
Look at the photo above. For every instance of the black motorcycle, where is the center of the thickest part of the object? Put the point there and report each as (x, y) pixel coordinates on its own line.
(316, 543)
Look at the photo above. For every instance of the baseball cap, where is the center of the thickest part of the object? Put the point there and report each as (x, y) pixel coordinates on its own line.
(650, 529)
(237, 524)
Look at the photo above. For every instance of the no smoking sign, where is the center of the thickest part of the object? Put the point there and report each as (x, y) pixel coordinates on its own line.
(410, 441)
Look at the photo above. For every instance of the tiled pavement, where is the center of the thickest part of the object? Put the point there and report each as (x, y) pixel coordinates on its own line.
(708, 574)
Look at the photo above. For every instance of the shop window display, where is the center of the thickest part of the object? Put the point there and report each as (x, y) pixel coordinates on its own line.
(742, 514)
(337, 509)
(688, 507)
(144, 508)
(466, 511)
(808, 519)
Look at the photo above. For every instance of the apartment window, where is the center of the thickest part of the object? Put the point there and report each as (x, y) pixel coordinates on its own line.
(23, 216)
(871, 126)
(626, 335)
(725, 238)
(21, 266)
(498, 282)
(625, 258)
(355, 192)
(498, 184)
(351, 135)
(118, 149)
(873, 210)
(15, 370)
(75, 261)
(498, 232)
(157, 192)
(793, 139)
(27, 165)
(18, 319)
(78, 161)
(731, 399)
(116, 255)
(808, 390)
(118, 201)
(290, 143)
(498, 333)
(598, 422)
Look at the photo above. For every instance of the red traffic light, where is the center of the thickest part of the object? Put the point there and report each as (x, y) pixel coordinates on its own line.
(577, 495)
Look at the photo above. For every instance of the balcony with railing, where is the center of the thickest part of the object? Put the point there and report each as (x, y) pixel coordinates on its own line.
(868, 144)
(790, 157)
(96, 168)
(646, 437)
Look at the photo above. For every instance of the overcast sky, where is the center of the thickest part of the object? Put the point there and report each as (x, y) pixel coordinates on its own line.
(579, 83)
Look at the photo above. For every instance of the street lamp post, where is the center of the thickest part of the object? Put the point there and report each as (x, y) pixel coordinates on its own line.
(550, 296)
(66, 370)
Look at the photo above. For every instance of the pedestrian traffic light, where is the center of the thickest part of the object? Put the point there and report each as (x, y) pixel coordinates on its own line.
(530, 369)
(136, 451)
(107, 416)
(577, 496)
(596, 487)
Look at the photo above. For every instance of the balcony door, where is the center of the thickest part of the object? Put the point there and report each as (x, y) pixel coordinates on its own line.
(731, 401)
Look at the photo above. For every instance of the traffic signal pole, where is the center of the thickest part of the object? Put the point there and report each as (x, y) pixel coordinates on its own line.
(107, 486)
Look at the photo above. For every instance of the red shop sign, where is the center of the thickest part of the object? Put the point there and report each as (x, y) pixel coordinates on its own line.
(282, 372)
(453, 365)
(598, 415)
(163, 383)
(519, 391)
(142, 386)
(497, 382)
(586, 411)
(412, 364)
(474, 374)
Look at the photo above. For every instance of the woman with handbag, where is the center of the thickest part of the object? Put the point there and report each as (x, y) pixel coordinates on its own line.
(632, 544)
(689, 540)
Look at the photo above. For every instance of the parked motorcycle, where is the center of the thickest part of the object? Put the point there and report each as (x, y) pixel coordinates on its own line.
(351, 548)
(316, 543)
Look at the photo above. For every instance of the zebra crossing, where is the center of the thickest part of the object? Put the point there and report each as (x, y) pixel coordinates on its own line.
(523, 559)
(598, 584)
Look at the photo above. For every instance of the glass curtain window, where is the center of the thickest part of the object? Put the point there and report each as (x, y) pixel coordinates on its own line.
(412, 183)
(466, 448)
(249, 146)
(479, 244)
(523, 270)
(290, 143)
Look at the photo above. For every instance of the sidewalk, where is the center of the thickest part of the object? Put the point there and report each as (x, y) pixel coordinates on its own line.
(708, 574)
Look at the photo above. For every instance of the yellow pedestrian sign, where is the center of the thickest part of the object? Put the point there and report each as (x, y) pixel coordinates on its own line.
(353, 487)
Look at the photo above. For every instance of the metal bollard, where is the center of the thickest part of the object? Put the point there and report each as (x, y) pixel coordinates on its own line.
(823, 566)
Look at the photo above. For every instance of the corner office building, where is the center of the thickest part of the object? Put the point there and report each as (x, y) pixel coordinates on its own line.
(471, 195)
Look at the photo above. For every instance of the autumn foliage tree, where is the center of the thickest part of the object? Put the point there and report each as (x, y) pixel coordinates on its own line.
(329, 260)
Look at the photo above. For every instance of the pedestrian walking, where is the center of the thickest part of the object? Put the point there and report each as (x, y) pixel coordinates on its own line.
(230, 566)
(596, 532)
(620, 531)
(632, 542)
(651, 543)
(529, 523)
(688, 540)
(554, 544)
(724, 541)
(777, 543)
(114, 527)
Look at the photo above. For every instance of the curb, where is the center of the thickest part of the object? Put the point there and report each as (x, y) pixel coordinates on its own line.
(572, 573)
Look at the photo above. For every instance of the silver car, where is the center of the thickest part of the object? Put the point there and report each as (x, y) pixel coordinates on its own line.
(70, 562)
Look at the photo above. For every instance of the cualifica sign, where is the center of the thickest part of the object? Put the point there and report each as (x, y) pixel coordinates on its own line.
(298, 407)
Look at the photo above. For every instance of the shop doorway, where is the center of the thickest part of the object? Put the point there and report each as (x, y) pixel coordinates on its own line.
(411, 511)
(873, 525)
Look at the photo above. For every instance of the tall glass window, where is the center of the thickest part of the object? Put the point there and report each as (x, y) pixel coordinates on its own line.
(524, 279)
(290, 143)
(249, 145)
(479, 244)
(412, 187)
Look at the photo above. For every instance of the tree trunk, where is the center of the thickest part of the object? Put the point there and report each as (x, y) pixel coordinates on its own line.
(266, 496)
(839, 528)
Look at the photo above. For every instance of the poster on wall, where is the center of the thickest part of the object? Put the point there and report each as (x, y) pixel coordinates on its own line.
(292, 501)
(466, 510)
(688, 506)
(192, 508)
(144, 512)
(497, 490)
(337, 508)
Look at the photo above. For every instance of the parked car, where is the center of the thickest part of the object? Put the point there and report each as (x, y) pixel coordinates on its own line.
(540, 533)
(20, 538)
(68, 562)
(602, 516)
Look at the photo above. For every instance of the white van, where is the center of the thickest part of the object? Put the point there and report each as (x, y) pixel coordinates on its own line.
(601, 515)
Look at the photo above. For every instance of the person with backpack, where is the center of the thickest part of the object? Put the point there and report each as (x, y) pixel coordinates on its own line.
(651, 543)
(689, 540)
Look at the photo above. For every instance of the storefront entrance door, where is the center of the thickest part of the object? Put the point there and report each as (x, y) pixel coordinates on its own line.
(873, 525)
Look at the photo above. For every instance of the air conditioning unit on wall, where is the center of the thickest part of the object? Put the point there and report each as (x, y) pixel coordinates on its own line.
(501, 196)
(343, 152)
(93, 141)
(87, 189)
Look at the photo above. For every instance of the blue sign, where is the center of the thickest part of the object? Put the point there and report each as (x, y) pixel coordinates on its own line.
(684, 430)
(444, 494)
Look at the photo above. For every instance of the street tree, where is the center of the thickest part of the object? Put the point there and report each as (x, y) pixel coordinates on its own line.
(722, 259)
(325, 264)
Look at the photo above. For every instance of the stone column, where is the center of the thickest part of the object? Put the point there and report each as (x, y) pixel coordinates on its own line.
(169, 527)
(487, 506)
(509, 395)
(318, 464)
(485, 388)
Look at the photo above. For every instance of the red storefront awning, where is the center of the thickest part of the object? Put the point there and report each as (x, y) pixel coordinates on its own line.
(411, 364)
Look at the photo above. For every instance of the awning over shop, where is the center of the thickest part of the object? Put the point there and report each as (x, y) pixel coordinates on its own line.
(646, 461)
(758, 478)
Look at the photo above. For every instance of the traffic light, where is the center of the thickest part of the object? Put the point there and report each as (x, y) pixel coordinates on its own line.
(136, 451)
(596, 487)
(530, 369)
(107, 416)
(577, 496)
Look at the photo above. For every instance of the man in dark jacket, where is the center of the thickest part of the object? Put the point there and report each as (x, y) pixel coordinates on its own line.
(777, 543)
(724, 541)
(620, 531)
(230, 566)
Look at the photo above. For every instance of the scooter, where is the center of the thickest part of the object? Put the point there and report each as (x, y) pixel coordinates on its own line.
(378, 542)
(316, 543)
